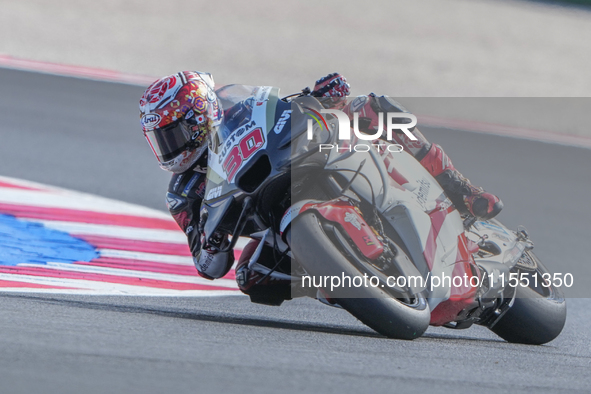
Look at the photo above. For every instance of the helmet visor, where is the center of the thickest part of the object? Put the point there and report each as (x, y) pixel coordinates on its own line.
(170, 141)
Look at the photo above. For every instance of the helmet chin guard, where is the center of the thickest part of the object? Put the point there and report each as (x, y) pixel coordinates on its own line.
(184, 161)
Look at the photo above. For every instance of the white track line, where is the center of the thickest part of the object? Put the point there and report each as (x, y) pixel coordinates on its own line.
(139, 292)
(121, 232)
(82, 286)
(75, 200)
(151, 257)
(79, 284)
(90, 269)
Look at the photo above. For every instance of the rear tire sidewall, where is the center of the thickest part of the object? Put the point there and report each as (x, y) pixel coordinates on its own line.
(533, 319)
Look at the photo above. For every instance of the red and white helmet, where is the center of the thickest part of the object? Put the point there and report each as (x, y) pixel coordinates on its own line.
(178, 113)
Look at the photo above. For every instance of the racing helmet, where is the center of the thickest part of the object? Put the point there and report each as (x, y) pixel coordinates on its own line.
(178, 113)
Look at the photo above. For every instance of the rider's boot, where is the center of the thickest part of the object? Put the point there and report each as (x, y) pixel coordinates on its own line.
(466, 197)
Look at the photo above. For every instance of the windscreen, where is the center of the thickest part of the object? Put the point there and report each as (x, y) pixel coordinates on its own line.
(237, 102)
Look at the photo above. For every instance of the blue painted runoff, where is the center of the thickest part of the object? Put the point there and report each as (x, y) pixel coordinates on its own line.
(22, 241)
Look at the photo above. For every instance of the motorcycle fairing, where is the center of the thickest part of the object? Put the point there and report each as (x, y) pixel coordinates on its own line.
(416, 206)
(226, 158)
(510, 247)
(349, 217)
(227, 161)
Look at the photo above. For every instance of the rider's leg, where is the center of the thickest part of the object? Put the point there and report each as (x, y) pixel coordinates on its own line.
(466, 197)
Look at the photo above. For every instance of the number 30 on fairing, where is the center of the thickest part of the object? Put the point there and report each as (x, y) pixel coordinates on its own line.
(241, 152)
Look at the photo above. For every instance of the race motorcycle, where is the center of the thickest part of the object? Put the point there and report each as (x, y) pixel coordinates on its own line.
(340, 213)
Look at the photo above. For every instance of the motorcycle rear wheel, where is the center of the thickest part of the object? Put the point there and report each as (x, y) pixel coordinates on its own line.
(390, 316)
(538, 314)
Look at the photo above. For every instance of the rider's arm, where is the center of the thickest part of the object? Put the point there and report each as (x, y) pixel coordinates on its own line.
(184, 198)
(333, 90)
(371, 105)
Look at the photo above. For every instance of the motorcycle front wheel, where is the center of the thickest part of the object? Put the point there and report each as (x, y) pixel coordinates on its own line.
(395, 315)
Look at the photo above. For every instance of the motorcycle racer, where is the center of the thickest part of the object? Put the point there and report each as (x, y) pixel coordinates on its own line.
(180, 111)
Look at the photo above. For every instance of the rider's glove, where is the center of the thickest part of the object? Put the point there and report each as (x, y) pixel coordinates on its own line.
(210, 262)
(333, 85)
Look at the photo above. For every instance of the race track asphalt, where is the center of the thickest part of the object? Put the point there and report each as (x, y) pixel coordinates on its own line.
(84, 135)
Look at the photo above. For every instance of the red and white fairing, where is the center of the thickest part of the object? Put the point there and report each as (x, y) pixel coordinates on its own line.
(417, 208)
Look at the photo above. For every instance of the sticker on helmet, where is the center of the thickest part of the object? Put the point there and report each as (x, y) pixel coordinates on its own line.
(159, 90)
(197, 138)
(189, 114)
(200, 104)
(150, 120)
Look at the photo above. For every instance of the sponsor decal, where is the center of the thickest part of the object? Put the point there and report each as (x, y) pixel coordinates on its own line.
(282, 121)
(423, 191)
(445, 204)
(189, 114)
(214, 193)
(368, 241)
(205, 261)
(151, 120)
(242, 152)
(217, 113)
(177, 182)
(245, 128)
(232, 138)
(190, 184)
(201, 190)
(353, 219)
